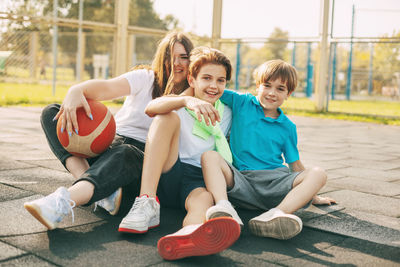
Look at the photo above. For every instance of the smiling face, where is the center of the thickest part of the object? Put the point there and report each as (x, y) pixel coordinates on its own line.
(271, 95)
(180, 63)
(210, 82)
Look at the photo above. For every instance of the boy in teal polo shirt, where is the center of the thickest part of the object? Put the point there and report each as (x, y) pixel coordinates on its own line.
(262, 139)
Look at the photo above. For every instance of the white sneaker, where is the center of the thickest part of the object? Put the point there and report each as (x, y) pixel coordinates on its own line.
(144, 214)
(111, 203)
(223, 211)
(208, 238)
(276, 224)
(50, 210)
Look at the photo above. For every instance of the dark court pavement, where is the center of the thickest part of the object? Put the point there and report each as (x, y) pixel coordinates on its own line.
(363, 165)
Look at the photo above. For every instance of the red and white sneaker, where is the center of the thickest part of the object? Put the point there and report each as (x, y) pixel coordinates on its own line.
(208, 238)
(144, 215)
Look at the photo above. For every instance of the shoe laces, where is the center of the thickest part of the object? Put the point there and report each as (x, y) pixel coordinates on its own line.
(98, 203)
(138, 204)
(65, 205)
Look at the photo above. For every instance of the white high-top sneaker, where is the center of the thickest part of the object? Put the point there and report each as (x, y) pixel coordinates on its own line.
(276, 224)
(223, 211)
(50, 210)
(144, 215)
(111, 203)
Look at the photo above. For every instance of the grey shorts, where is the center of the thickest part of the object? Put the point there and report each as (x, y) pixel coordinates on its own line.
(260, 189)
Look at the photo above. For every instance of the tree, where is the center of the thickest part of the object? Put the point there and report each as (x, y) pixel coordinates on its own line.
(387, 60)
(279, 40)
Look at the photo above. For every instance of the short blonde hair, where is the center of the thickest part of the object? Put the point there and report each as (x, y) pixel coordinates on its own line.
(205, 55)
(276, 69)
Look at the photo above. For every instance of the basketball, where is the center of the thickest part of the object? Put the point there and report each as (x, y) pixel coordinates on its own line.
(95, 136)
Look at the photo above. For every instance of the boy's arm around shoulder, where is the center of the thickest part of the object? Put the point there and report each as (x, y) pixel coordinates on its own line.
(168, 103)
(164, 105)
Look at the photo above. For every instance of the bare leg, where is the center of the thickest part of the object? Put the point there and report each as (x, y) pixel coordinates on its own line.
(305, 186)
(197, 203)
(217, 175)
(81, 192)
(76, 166)
(161, 151)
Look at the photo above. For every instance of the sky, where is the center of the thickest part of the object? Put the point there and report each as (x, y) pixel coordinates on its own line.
(301, 18)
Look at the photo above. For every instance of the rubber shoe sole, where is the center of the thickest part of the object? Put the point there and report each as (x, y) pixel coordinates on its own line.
(133, 231)
(117, 203)
(213, 236)
(36, 212)
(279, 227)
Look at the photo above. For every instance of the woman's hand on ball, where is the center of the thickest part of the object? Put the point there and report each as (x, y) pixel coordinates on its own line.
(72, 101)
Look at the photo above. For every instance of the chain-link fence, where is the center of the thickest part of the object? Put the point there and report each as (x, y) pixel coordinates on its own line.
(28, 56)
(373, 72)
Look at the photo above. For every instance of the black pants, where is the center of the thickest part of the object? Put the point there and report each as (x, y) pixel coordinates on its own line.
(119, 166)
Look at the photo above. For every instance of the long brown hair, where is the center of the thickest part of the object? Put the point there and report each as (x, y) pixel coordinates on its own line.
(162, 64)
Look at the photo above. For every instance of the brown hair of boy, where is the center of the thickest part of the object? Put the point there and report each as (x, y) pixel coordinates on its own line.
(276, 69)
(205, 55)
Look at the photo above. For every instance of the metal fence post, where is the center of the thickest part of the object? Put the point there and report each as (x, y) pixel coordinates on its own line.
(121, 46)
(33, 51)
(294, 55)
(55, 41)
(349, 68)
(237, 65)
(333, 85)
(310, 70)
(371, 65)
(79, 55)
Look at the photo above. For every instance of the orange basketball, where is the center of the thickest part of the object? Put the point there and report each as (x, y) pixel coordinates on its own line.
(95, 136)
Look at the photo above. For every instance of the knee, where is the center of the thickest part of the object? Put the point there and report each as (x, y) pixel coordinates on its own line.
(319, 175)
(209, 157)
(171, 119)
(48, 113)
(206, 197)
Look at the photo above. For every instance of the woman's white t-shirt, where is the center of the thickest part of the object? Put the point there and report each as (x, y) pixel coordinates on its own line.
(191, 147)
(130, 119)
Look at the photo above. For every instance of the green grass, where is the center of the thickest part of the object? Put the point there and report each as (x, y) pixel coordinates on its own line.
(33, 94)
(382, 112)
(381, 108)
(30, 94)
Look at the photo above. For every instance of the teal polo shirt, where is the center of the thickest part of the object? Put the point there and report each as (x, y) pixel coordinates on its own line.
(258, 142)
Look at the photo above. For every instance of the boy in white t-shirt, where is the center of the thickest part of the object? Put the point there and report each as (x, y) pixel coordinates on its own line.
(172, 171)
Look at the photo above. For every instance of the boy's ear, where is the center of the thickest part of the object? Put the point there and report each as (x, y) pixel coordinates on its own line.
(289, 94)
(190, 79)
